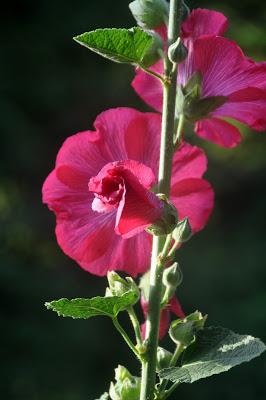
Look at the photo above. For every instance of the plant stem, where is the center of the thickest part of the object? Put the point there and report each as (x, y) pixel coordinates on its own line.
(125, 337)
(135, 324)
(168, 392)
(148, 378)
(178, 351)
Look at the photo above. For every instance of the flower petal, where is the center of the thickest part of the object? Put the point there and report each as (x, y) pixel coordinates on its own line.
(149, 88)
(188, 162)
(218, 131)
(204, 22)
(247, 106)
(193, 198)
(139, 207)
(176, 308)
(224, 67)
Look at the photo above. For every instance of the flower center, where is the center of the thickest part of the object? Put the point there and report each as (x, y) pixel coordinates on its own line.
(108, 192)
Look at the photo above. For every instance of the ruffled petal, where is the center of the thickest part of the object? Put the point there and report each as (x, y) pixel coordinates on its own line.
(193, 198)
(247, 106)
(149, 88)
(204, 22)
(218, 131)
(139, 207)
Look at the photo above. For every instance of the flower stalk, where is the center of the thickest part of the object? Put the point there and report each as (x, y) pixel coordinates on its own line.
(148, 379)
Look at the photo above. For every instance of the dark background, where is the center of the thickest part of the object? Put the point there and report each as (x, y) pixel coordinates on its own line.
(51, 88)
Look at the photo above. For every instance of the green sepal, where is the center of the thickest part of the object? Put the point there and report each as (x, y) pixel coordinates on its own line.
(183, 331)
(196, 109)
(131, 46)
(214, 351)
(150, 14)
(127, 386)
(87, 308)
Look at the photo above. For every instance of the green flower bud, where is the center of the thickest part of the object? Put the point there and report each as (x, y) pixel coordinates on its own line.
(163, 358)
(119, 286)
(177, 52)
(182, 331)
(127, 387)
(172, 278)
(169, 218)
(150, 14)
(183, 231)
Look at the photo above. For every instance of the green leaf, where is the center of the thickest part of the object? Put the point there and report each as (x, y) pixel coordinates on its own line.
(86, 308)
(215, 350)
(131, 46)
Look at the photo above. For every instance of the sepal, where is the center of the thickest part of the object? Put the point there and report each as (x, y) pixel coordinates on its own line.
(168, 220)
(126, 387)
(150, 14)
(183, 331)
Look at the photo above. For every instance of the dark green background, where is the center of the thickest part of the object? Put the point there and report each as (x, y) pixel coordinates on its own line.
(51, 88)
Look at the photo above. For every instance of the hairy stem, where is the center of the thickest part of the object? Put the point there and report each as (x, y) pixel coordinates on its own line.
(165, 169)
(135, 324)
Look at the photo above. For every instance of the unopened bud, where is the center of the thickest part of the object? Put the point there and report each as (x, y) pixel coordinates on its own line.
(168, 220)
(177, 52)
(127, 386)
(183, 231)
(163, 358)
(172, 278)
(182, 331)
(150, 14)
(119, 286)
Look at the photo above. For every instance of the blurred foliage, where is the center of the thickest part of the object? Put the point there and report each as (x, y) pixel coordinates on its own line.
(50, 89)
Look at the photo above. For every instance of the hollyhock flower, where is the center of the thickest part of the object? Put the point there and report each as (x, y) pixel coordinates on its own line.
(227, 84)
(99, 191)
(173, 307)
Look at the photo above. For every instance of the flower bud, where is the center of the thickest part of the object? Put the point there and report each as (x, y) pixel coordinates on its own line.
(172, 278)
(183, 231)
(150, 14)
(177, 52)
(163, 358)
(168, 220)
(182, 331)
(127, 387)
(119, 286)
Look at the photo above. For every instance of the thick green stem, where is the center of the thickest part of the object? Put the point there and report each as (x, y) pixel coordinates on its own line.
(165, 169)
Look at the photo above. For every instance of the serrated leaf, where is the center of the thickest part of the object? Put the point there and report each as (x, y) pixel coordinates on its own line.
(131, 46)
(87, 308)
(215, 350)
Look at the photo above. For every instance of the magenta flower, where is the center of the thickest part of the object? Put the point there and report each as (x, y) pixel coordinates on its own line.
(226, 75)
(173, 307)
(100, 191)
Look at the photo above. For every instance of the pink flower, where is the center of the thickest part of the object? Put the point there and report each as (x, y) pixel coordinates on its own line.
(99, 191)
(173, 307)
(225, 71)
